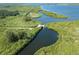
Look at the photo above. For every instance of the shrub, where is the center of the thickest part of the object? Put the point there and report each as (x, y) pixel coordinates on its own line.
(2, 17)
(12, 37)
(5, 13)
(27, 18)
(23, 35)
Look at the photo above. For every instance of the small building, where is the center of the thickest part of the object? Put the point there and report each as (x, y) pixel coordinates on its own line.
(40, 26)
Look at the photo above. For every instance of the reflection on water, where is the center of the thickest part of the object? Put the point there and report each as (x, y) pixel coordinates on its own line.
(45, 38)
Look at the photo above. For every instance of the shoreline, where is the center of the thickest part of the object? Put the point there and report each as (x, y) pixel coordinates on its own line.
(18, 52)
(54, 15)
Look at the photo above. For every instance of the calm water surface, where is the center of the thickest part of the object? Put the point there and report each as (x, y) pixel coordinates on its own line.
(71, 11)
(47, 37)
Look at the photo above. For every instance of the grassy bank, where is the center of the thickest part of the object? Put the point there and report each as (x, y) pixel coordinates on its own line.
(11, 29)
(16, 31)
(68, 39)
(53, 14)
(16, 25)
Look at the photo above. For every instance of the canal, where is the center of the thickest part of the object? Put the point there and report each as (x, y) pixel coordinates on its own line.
(44, 38)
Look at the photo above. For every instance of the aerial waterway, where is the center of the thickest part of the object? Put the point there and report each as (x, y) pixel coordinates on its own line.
(46, 36)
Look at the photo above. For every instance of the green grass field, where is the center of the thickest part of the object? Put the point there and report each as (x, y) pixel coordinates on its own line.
(15, 25)
(16, 31)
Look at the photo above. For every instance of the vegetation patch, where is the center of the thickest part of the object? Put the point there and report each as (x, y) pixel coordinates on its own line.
(15, 30)
(53, 14)
(4, 13)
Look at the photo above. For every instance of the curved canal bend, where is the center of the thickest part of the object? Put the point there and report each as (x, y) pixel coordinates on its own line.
(44, 38)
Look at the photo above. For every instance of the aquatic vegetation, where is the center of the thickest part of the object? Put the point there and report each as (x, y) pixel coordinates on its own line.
(53, 14)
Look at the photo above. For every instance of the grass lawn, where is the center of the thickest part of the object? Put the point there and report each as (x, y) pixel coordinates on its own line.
(68, 39)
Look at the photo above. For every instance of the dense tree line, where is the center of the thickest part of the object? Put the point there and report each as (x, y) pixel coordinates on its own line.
(14, 37)
(4, 13)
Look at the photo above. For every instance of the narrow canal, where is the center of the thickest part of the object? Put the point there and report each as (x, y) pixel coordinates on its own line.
(44, 38)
